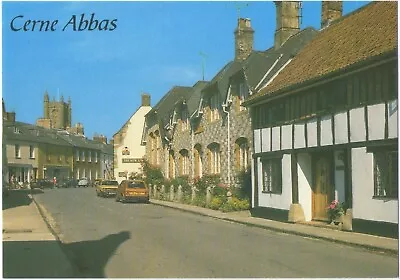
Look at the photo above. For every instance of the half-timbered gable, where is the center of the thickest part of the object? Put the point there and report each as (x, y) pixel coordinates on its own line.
(327, 120)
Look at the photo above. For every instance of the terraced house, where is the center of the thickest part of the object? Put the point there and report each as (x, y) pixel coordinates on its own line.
(326, 127)
(34, 153)
(209, 130)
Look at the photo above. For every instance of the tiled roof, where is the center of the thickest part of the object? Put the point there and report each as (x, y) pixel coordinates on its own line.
(194, 99)
(365, 33)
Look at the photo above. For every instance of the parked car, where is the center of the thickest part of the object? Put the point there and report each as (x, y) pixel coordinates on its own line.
(107, 188)
(42, 184)
(132, 190)
(83, 182)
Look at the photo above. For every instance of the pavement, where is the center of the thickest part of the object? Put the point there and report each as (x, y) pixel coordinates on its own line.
(333, 234)
(31, 248)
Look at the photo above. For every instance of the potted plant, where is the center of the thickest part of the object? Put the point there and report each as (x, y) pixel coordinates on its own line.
(335, 211)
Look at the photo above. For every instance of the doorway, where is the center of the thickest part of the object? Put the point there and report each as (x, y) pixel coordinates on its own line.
(322, 187)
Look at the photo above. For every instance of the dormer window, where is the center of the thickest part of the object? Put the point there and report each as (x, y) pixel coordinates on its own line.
(243, 94)
(16, 130)
(185, 119)
(214, 104)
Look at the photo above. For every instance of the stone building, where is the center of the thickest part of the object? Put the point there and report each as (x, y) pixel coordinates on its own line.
(217, 139)
(127, 143)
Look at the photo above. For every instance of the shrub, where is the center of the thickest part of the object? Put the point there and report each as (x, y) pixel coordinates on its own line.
(153, 174)
(200, 200)
(216, 203)
(202, 183)
(183, 181)
(244, 181)
(235, 204)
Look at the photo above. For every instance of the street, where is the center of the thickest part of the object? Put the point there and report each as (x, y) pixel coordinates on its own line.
(104, 238)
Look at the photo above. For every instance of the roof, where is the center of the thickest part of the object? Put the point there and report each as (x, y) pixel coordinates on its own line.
(167, 103)
(195, 96)
(367, 32)
(32, 133)
(221, 80)
(258, 63)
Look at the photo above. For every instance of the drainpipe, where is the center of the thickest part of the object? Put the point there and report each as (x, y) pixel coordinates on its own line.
(224, 108)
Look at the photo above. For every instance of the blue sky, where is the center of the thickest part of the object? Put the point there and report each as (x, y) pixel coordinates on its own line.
(155, 46)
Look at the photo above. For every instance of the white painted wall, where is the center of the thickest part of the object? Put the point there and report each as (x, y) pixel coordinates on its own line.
(376, 121)
(339, 176)
(278, 201)
(357, 125)
(341, 128)
(304, 173)
(266, 139)
(286, 137)
(364, 206)
(132, 140)
(326, 131)
(392, 119)
(312, 133)
(299, 136)
(257, 143)
(276, 138)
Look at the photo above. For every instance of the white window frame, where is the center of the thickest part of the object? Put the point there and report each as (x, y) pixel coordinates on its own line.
(243, 156)
(17, 151)
(31, 152)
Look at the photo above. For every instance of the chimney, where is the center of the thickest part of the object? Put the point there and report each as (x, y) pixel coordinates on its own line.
(287, 21)
(145, 99)
(331, 10)
(244, 39)
(100, 138)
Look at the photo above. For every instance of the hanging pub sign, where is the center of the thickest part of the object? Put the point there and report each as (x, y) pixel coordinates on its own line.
(125, 151)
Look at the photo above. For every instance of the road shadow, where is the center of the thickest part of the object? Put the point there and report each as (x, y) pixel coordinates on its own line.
(17, 198)
(35, 259)
(90, 257)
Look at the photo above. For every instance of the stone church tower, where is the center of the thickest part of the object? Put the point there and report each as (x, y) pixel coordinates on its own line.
(57, 114)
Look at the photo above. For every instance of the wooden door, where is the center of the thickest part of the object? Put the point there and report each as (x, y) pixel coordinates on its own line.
(322, 187)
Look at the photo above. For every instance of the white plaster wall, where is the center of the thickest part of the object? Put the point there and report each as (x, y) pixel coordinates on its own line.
(257, 144)
(312, 133)
(299, 136)
(341, 128)
(392, 119)
(364, 206)
(339, 176)
(132, 140)
(266, 139)
(357, 125)
(326, 131)
(278, 201)
(304, 173)
(286, 137)
(276, 138)
(376, 122)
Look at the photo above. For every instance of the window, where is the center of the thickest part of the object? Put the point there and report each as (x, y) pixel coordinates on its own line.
(214, 158)
(214, 103)
(385, 174)
(184, 162)
(77, 155)
(96, 158)
(243, 94)
(83, 156)
(272, 175)
(31, 151)
(242, 153)
(17, 151)
(90, 156)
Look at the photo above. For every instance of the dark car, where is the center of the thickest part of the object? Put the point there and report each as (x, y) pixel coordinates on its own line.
(42, 184)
